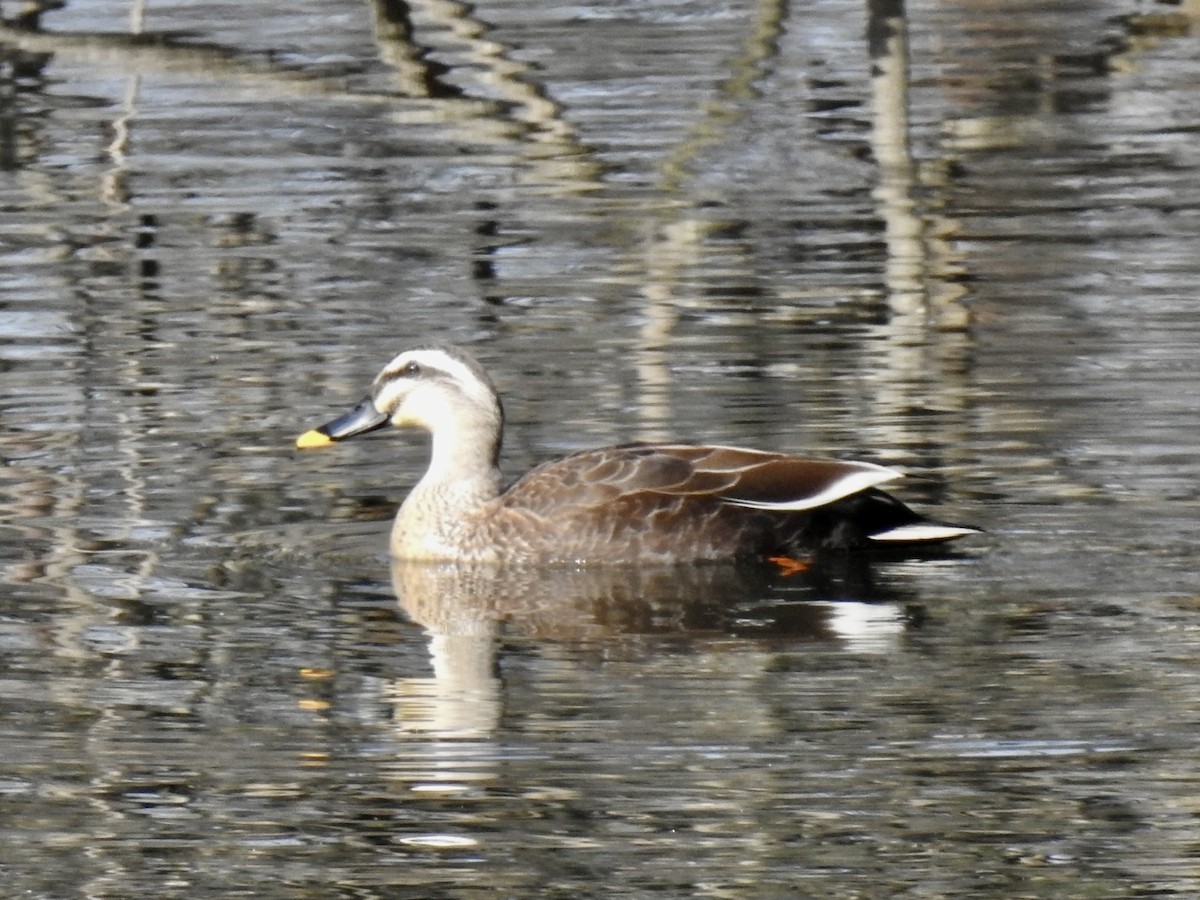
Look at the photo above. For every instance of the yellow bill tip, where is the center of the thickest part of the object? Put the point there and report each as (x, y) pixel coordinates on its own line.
(311, 440)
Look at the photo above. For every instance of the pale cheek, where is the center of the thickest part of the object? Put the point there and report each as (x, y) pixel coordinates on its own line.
(407, 417)
(415, 411)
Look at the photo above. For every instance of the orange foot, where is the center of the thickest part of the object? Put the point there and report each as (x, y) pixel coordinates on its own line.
(788, 566)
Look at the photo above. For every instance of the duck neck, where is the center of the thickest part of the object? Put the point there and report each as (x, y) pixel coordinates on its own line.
(463, 468)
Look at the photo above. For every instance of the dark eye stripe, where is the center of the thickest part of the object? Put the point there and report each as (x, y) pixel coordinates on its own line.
(411, 369)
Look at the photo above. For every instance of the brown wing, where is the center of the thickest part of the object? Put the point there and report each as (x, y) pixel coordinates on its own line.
(776, 481)
(677, 502)
(635, 502)
(750, 478)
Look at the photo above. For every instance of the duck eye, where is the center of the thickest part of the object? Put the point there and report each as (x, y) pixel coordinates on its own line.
(412, 370)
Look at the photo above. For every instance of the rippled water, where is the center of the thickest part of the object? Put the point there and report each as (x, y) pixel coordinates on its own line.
(730, 222)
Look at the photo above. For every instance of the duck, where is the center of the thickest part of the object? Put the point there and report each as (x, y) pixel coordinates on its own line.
(627, 504)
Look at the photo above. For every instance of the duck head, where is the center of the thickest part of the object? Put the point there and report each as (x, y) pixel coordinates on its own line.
(438, 389)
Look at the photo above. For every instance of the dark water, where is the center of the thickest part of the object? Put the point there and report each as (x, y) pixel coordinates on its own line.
(721, 221)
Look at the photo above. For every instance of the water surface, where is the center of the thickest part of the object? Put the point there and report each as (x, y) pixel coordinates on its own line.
(967, 248)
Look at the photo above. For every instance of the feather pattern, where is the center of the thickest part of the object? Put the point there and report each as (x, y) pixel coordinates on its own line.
(630, 503)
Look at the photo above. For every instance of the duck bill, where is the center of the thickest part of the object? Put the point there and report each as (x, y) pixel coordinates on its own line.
(363, 418)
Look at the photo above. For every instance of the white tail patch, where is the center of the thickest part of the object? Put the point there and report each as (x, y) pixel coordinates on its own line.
(863, 476)
(924, 531)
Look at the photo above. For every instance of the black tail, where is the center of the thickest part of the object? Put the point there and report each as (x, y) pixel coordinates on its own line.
(872, 519)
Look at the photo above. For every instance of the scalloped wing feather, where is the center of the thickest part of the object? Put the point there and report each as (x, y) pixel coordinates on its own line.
(753, 479)
(680, 502)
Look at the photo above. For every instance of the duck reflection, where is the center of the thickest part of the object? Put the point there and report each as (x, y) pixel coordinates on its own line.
(467, 609)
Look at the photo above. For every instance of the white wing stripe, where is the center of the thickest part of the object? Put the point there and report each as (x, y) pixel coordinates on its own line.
(864, 476)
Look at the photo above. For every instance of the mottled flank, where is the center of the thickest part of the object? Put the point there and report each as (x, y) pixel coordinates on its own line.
(634, 503)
